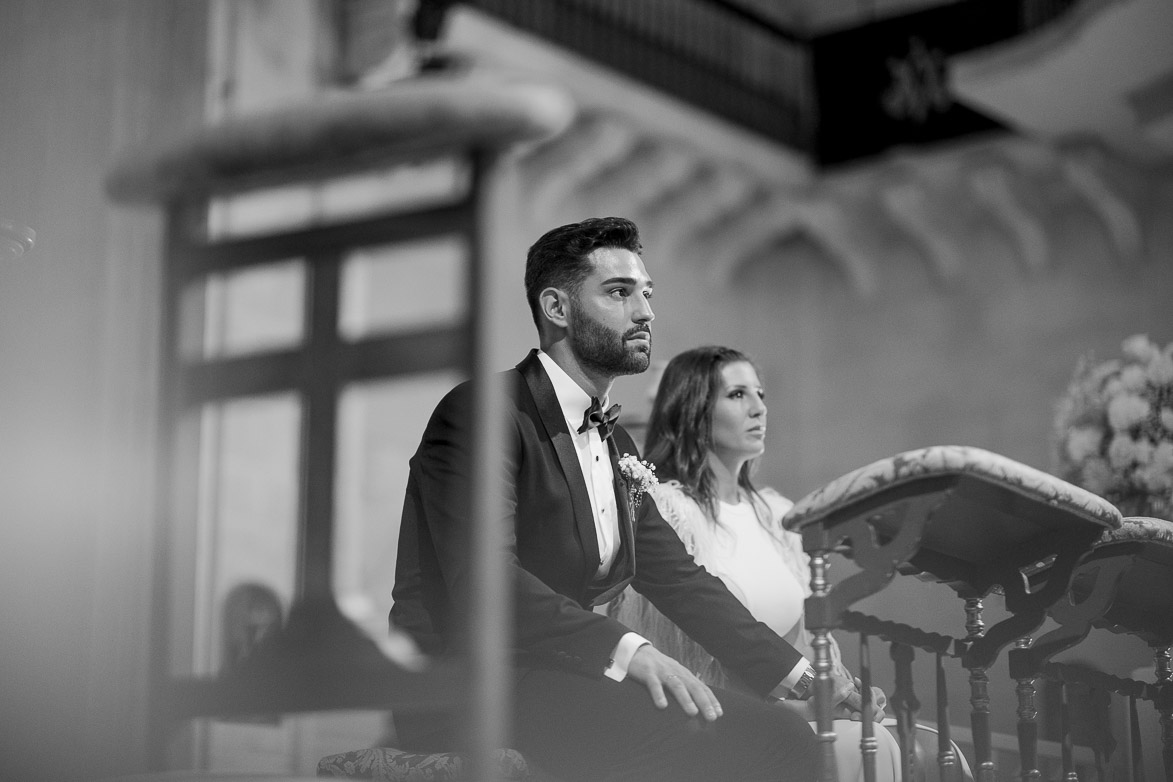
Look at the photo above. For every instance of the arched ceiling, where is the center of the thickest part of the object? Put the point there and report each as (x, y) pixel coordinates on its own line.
(723, 198)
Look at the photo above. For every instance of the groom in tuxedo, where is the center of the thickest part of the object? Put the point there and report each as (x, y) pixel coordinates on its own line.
(592, 700)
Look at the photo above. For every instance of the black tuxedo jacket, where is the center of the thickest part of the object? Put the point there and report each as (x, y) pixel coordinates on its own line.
(553, 550)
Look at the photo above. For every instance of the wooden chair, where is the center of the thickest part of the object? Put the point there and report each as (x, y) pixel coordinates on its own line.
(1123, 585)
(973, 520)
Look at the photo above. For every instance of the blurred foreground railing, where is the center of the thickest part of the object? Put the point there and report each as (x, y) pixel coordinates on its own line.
(319, 660)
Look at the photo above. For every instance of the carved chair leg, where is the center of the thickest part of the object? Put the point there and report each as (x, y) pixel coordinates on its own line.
(979, 697)
(905, 705)
(867, 740)
(1164, 705)
(1069, 774)
(1138, 771)
(821, 644)
(946, 760)
(1028, 727)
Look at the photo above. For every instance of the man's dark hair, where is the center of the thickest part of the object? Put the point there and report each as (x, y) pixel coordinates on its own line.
(559, 258)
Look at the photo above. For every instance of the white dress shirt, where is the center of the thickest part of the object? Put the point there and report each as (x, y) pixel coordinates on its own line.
(595, 461)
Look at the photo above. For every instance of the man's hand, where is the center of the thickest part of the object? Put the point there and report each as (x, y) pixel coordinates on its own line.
(663, 675)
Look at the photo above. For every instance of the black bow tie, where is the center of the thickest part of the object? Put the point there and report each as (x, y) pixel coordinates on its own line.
(597, 416)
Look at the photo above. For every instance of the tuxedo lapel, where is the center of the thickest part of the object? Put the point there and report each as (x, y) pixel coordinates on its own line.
(626, 522)
(623, 568)
(550, 412)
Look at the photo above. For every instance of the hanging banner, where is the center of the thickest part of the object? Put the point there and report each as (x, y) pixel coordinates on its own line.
(886, 84)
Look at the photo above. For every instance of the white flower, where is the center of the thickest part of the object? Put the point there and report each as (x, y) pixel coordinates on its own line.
(637, 473)
(1114, 427)
(1127, 410)
(1133, 378)
(1160, 370)
(1157, 475)
(1142, 451)
(1096, 476)
(1139, 347)
(1154, 479)
(640, 476)
(1122, 452)
(1083, 441)
(1163, 457)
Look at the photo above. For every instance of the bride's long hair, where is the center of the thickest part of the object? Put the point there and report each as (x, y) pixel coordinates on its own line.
(680, 430)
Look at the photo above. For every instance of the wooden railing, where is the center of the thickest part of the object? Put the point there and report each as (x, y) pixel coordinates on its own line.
(981, 523)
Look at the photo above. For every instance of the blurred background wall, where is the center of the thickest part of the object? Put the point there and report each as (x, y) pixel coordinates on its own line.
(78, 83)
(916, 296)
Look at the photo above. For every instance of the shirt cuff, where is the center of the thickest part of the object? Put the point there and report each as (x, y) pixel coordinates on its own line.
(621, 657)
(786, 686)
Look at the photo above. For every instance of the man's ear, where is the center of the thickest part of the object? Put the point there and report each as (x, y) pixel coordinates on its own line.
(555, 306)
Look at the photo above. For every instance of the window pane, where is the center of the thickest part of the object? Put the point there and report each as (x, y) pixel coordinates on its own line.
(403, 286)
(252, 310)
(380, 424)
(402, 188)
(257, 212)
(389, 190)
(248, 501)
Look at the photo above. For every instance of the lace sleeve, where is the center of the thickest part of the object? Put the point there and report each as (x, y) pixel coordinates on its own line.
(682, 514)
(635, 611)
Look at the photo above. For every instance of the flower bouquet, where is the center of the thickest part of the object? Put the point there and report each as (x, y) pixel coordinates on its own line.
(1114, 429)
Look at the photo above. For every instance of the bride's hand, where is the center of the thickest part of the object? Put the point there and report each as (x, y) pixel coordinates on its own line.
(879, 701)
(847, 700)
(806, 709)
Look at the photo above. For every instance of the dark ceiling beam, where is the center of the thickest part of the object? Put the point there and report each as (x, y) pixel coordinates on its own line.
(835, 96)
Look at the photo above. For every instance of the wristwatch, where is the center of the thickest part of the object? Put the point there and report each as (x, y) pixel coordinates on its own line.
(802, 690)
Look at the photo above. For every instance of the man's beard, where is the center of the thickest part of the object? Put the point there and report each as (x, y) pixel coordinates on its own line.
(605, 350)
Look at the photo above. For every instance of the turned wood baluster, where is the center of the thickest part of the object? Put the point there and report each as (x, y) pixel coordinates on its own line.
(1164, 704)
(867, 740)
(1138, 773)
(1028, 727)
(979, 696)
(946, 760)
(821, 644)
(904, 706)
(1069, 774)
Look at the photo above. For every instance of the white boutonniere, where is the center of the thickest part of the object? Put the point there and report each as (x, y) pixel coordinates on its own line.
(639, 477)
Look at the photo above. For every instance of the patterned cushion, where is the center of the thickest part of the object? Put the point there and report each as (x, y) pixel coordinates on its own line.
(941, 460)
(394, 765)
(1145, 529)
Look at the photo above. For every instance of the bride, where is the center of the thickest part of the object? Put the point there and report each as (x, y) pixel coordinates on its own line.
(707, 428)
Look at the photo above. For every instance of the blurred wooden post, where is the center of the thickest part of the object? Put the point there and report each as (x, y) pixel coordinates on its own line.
(491, 600)
(319, 660)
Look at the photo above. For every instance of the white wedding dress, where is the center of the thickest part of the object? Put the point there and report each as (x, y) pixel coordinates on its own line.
(767, 570)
